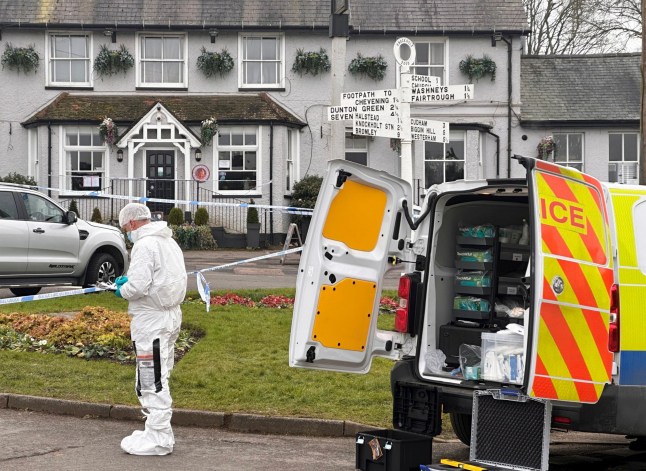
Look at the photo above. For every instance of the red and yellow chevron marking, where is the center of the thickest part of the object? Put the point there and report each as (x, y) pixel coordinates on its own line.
(572, 358)
(573, 361)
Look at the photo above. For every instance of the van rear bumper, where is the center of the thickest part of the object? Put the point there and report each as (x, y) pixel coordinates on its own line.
(620, 410)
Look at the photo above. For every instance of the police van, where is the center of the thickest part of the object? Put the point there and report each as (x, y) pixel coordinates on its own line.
(521, 303)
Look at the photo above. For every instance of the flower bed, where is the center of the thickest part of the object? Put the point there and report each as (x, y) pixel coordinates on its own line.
(94, 332)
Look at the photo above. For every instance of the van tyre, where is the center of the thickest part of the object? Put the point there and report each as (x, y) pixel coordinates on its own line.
(461, 424)
(25, 291)
(102, 267)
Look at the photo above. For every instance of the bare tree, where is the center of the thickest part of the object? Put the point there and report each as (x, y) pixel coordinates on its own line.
(582, 26)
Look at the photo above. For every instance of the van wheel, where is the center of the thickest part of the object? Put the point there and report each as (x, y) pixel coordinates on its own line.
(25, 291)
(461, 424)
(102, 267)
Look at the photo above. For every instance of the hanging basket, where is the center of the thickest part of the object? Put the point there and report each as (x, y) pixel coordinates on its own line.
(373, 67)
(478, 68)
(20, 58)
(212, 63)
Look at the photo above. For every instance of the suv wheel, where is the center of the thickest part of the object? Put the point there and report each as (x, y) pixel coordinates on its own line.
(25, 291)
(462, 427)
(102, 267)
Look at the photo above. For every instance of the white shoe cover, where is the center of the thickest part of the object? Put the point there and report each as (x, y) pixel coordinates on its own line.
(148, 443)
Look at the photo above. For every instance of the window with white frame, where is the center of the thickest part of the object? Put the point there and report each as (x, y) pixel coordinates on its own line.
(568, 149)
(237, 154)
(444, 162)
(290, 172)
(162, 60)
(261, 61)
(623, 154)
(356, 148)
(69, 59)
(430, 59)
(84, 159)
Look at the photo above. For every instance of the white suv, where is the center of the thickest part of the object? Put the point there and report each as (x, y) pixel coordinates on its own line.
(41, 244)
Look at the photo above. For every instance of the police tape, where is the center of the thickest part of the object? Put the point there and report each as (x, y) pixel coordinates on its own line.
(144, 199)
(248, 260)
(202, 284)
(58, 294)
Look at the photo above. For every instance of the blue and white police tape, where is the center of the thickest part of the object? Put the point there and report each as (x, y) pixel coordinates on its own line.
(248, 260)
(58, 294)
(202, 285)
(145, 199)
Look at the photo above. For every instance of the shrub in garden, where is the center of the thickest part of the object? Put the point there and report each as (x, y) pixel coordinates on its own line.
(19, 179)
(201, 217)
(252, 213)
(305, 193)
(96, 216)
(175, 217)
(190, 237)
(74, 207)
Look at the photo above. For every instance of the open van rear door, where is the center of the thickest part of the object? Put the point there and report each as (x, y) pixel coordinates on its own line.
(357, 225)
(573, 274)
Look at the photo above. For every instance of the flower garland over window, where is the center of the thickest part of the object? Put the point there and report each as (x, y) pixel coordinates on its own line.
(108, 131)
(209, 129)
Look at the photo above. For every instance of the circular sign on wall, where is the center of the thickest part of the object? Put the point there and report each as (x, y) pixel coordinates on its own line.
(201, 173)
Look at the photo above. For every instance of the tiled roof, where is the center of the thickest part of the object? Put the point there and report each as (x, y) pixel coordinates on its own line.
(365, 15)
(191, 109)
(597, 87)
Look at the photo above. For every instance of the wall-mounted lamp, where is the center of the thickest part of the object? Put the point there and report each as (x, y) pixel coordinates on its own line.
(120, 155)
(111, 33)
(198, 155)
(495, 37)
(214, 34)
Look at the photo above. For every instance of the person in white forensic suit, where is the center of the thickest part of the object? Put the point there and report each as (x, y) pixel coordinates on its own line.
(154, 288)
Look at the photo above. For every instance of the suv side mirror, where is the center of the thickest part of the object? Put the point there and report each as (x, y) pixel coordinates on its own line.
(70, 217)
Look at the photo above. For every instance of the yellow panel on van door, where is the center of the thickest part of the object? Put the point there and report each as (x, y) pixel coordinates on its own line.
(355, 216)
(632, 319)
(344, 313)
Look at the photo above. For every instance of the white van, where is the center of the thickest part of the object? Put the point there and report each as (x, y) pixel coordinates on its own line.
(510, 303)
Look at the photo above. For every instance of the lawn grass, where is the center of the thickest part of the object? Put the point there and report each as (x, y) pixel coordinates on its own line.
(240, 365)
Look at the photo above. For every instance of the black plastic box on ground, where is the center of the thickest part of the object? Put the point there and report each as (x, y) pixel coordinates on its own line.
(402, 451)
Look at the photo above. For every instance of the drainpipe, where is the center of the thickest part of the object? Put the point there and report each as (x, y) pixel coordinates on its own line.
(49, 158)
(494, 39)
(497, 151)
(509, 107)
(271, 180)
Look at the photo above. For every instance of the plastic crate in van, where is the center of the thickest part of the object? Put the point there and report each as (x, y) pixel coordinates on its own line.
(503, 357)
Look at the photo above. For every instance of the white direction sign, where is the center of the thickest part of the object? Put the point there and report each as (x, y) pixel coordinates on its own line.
(373, 124)
(424, 81)
(442, 93)
(372, 101)
(428, 130)
(340, 113)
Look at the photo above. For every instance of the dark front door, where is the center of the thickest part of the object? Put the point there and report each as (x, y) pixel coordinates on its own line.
(161, 179)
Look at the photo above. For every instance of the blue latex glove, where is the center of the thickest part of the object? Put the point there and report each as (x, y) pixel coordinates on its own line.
(120, 281)
(117, 293)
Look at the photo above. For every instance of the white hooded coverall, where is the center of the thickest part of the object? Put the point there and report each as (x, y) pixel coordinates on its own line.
(155, 288)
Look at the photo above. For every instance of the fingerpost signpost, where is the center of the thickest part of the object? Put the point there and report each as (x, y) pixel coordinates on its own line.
(386, 113)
